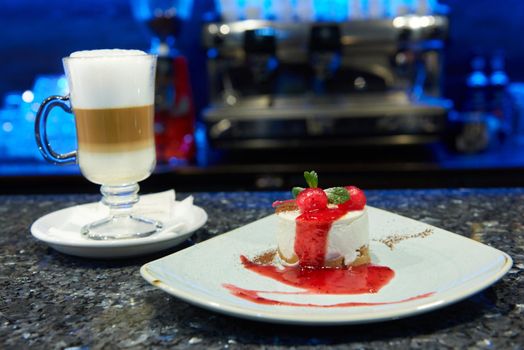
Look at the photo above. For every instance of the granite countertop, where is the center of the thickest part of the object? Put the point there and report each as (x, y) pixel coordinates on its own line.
(54, 301)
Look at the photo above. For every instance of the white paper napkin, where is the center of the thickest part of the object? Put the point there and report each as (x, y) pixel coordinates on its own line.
(158, 206)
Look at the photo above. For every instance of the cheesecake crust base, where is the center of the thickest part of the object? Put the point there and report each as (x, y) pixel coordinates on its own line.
(362, 259)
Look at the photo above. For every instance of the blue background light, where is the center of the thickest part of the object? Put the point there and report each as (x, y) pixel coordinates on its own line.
(42, 31)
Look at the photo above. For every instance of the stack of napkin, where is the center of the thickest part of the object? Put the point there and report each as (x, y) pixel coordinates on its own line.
(158, 206)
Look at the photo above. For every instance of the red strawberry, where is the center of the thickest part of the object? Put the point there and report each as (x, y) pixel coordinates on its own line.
(357, 198)
(312, 199)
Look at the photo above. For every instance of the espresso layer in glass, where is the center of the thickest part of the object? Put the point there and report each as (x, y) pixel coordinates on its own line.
(115, 129)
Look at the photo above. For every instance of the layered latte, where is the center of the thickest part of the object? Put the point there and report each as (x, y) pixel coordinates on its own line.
(114, 119)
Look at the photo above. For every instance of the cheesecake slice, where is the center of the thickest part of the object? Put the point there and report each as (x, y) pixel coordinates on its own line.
(343, 242)
(323, 228)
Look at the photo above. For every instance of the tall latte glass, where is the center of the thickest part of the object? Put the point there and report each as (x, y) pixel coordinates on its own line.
(112, 97)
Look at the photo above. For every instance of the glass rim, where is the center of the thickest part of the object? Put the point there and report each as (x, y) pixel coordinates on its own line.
(146, 55)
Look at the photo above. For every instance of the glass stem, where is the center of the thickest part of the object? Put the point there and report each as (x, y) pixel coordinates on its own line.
(120, 199)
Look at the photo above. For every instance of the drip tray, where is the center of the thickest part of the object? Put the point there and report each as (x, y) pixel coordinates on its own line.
(265, 122)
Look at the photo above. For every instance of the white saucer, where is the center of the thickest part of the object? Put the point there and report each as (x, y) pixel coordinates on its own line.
(72, 243)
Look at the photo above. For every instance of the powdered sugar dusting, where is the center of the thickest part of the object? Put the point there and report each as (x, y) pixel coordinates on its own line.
(394, 239)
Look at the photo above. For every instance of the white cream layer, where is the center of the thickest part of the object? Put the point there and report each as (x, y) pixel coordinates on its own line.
(117, 168)
(110, 78)
(346, 236)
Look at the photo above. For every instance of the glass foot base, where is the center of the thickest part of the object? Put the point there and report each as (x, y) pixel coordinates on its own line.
(121, 227)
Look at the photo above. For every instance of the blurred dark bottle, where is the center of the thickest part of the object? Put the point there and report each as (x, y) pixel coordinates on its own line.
(477, 87)
(500, 103)
(174, 107)
(474, 132)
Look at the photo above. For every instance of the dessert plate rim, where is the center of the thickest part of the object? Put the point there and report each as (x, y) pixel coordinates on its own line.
(190, 291)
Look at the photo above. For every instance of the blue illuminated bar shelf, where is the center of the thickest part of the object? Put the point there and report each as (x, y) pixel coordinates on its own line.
(435, 167)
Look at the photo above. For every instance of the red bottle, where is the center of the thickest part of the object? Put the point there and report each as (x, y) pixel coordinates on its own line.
(174, 111)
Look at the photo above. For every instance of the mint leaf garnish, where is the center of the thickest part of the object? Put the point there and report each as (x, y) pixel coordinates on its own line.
(296, 190)
(337, 195)
(311, 178)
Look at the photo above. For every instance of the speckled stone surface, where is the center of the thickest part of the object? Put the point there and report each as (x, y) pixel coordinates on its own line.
(54, 301)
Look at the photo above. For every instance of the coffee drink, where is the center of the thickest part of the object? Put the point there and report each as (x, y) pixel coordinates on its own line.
(114, 119)
(112, 98)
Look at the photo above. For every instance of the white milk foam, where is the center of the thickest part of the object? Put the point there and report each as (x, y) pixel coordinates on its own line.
(110, 78)
(117, 168)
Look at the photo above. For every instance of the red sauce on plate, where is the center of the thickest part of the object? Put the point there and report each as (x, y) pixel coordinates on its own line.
(254, 296)
(354, 280)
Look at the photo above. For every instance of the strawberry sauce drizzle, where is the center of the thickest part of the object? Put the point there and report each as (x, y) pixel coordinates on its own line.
(366, 279)
(254, 296)
(354, 280)
(311, 235)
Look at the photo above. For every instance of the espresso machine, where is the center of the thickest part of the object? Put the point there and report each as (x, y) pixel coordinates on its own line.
(296, 83)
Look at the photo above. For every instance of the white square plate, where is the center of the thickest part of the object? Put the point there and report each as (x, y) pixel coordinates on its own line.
(449, 266)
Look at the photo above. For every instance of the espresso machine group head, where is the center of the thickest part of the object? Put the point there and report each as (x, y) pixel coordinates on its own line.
(325, 54)
(285, 84)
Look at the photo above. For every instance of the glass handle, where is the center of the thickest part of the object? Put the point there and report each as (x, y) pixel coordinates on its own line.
(41, 130)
